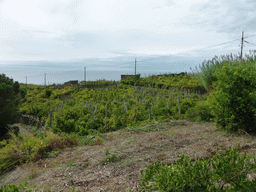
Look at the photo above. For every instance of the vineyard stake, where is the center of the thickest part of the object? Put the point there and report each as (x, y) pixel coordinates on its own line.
(91, 106)
(106, 113)
(149, 107)
(178, 100)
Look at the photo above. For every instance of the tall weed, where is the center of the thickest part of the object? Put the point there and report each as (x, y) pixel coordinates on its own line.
(206, 73)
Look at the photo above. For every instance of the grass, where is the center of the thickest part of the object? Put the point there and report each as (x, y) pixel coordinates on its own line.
(112, 158)
(123, 153)
(71, 163)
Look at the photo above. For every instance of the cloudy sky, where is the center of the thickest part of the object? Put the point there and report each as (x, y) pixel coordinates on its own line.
(78, 30)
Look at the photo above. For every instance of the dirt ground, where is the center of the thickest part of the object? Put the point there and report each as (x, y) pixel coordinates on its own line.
(116, 164)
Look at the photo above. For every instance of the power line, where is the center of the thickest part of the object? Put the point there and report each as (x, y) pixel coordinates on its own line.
(250, 36)
(35, 75)
(216, 45)
(250, 43)
(191, 50)
(53, 73)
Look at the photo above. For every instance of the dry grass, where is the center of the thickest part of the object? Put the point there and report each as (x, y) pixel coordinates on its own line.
(115, 165)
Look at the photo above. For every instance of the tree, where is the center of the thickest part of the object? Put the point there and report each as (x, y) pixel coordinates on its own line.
(234, 98)
(9, 92)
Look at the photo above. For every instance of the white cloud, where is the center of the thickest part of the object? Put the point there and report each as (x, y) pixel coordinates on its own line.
(169, 3)
(24, 12)
(227, 16)
(75, 29)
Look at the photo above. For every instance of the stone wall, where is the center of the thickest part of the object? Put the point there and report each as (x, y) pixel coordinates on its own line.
(31, 120)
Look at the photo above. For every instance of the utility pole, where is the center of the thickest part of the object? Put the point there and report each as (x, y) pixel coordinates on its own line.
(135, 72)
(45, 79)
(85, 75)
(26, 81)
(242, 45)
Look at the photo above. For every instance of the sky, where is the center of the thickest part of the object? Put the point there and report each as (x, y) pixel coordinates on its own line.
(109, 35)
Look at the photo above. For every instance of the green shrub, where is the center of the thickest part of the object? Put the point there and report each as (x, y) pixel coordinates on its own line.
(185, 105)
(66, 121)
(21, 149)
(233, 101)
(187, 174)
(9, 92)
(47, 92)
(16, 188)
(200, 112)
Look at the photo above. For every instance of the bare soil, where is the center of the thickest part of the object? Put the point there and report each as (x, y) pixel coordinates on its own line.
(86, 168)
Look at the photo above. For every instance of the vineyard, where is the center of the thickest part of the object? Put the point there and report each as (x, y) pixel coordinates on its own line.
(107, 108)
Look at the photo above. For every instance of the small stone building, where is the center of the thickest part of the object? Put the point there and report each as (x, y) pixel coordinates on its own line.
(72, 82)
(123, 77)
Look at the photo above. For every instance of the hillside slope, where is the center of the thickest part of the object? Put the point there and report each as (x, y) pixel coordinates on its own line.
(115, 164)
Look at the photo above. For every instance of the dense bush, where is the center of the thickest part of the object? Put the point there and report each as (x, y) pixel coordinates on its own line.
(200, 112)
(233, 100)
(9, 92)
(208, 174)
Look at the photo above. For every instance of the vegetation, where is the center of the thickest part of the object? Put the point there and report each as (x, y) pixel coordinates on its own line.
(9, 92)
(16, 188)
(234, 99)
(206, 73)
(84, 111)
(181, 81)
(221, 90)
(209, 174)
(25, 148)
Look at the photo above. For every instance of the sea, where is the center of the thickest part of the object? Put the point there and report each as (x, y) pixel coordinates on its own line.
(41, 72)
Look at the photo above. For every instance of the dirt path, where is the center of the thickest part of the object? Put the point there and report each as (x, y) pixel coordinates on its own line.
(93, 168)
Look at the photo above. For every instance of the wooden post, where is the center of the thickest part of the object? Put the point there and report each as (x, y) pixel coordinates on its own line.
(57, 107)
(172, 99)
(85, 75)
(178, 103)
(149, 108)
(135, 73)
(106, 113)
(61, 107)
(51, 118)
(91, 106)
(125, 107)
